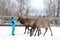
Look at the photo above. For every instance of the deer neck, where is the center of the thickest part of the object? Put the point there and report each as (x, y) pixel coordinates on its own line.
(21, 20)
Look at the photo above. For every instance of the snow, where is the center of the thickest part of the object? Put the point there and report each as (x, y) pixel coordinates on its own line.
(5, 34)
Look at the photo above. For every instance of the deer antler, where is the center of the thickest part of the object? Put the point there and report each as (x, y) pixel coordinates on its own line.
(27, 11)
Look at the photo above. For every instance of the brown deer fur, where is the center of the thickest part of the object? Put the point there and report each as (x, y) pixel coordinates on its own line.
(41, 23)
(27, 22)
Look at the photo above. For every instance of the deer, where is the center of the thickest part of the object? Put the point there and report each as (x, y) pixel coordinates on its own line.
(41, 23)
(27, 22)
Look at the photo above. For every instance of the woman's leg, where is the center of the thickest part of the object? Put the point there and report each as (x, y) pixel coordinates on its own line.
(13, 29)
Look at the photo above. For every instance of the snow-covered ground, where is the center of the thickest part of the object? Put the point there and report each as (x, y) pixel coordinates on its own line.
(5, 34)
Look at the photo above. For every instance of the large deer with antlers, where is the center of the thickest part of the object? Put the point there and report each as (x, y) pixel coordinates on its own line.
(41, 23)
(27, 22)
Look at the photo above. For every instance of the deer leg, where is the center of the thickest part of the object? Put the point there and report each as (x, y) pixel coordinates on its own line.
(45, 32)
(39, 32)
(25, 29)
(28, 31)
(35, 32)
(51, 31)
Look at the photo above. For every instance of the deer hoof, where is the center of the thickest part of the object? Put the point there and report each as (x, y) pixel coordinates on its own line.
(28, 33)
(34, 35)
(24, 32)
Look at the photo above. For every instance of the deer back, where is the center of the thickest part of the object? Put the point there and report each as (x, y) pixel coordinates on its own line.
(29, 22)
(42, 23)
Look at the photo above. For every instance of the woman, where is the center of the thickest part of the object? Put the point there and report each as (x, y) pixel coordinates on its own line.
(12, 20)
